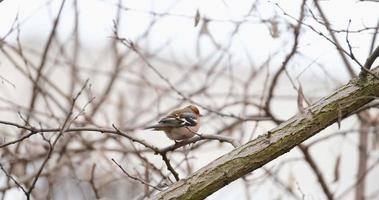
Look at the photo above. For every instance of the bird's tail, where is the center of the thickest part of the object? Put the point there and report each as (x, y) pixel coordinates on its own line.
(155, 127)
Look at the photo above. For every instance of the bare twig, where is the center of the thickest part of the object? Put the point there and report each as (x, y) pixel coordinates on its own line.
(135, 178)
(65, 125)
(13, 179)
(320, 177)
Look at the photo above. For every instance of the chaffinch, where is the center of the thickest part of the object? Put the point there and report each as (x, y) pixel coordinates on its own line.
(179, 124)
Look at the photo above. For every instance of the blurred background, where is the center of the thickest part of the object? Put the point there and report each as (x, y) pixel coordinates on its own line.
(79, 71)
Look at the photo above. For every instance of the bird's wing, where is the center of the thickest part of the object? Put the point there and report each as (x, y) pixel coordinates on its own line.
(171, 122)
(189, 119)
(184, 119)
(175, 121)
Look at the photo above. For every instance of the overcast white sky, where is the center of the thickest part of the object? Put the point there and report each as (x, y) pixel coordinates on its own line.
(97, 16)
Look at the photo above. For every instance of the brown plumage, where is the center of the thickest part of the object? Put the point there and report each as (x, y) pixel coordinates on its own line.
(179, 124)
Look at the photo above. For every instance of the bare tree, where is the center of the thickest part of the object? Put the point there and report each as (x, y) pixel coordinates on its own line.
(72, 116)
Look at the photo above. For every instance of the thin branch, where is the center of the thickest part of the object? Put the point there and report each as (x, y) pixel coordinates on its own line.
(370, 60)
(169, 166)
(290, 55)
(135, 178)
(65, 125)
(335, 41)
(317, 171)
(13, 179)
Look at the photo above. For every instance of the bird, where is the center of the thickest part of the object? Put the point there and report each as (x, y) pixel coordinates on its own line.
(180, 124)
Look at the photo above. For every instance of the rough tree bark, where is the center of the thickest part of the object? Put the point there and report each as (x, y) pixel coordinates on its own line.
(256, 153)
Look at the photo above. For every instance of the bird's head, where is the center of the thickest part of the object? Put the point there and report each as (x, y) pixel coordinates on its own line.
(194, 109)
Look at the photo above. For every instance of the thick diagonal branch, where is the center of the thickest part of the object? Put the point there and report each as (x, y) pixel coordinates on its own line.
(256, 153)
